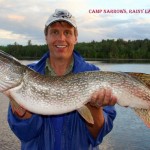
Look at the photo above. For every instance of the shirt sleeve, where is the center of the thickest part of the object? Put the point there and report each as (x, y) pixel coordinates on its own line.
(109, 116)
(24, 129)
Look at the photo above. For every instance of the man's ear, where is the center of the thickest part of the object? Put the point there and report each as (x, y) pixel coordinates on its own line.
(76, 40)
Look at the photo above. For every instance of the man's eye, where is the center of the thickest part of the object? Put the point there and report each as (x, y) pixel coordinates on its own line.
(67, 33)
(54, 32)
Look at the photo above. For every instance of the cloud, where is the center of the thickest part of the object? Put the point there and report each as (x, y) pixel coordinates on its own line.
(24, 20)
(114, 26)
(17, 18)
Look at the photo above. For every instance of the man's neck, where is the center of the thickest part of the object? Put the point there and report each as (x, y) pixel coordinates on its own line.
(60, 66)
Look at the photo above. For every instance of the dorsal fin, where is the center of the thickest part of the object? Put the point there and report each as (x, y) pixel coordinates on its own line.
(143, 77)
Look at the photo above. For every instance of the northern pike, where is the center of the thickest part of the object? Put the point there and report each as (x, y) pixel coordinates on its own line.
(48, 95)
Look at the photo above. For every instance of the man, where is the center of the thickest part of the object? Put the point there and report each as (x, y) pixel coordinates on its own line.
(67, 131)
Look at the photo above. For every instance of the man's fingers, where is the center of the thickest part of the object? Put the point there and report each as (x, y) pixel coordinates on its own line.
(16, 108)
(106, 97)
(97, 98)
(103, 97)
(113, 100)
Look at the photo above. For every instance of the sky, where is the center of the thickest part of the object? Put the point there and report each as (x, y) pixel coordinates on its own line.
(21, 21)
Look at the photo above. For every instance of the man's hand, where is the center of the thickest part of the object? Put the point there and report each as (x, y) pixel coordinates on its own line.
(103, 97)
(17, 109)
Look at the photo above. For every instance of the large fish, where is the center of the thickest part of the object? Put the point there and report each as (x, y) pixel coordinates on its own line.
(57, 95)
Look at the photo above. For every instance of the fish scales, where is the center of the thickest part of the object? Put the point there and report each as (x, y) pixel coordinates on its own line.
(57, 95)
(56, 92)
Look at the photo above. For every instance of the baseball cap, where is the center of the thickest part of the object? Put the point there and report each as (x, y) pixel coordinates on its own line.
(61, 15)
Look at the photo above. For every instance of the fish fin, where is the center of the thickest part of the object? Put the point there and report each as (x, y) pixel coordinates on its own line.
(144, 114)
(145, 78)
(86, 114)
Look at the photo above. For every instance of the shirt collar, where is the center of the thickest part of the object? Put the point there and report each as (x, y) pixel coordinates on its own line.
(50, 71)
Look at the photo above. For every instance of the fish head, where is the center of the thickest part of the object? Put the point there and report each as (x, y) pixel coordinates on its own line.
(11, 71)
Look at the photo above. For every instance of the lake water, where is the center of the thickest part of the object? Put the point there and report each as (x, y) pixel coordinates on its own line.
(129, 132)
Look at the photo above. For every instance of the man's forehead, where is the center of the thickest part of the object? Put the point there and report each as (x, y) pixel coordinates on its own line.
(61, 24)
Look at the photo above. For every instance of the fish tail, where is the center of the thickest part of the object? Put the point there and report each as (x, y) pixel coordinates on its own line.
(145, 78)
(144, 114)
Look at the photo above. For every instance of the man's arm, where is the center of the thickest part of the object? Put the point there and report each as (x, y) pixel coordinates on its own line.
(24, 124)
(98, 100)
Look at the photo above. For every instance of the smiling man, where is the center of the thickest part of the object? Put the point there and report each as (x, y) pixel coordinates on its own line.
(61, 39)
(67, 131)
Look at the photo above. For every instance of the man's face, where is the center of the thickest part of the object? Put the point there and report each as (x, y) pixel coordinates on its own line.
(61, 40)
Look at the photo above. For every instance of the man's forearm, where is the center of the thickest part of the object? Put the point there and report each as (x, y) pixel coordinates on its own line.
(98, 118)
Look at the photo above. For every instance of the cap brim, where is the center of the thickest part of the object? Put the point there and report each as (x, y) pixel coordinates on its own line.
(56, 20)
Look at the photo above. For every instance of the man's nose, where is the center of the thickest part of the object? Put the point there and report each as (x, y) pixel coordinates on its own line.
(61, 36)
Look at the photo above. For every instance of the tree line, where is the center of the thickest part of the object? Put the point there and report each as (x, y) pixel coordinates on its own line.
(105, 49)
